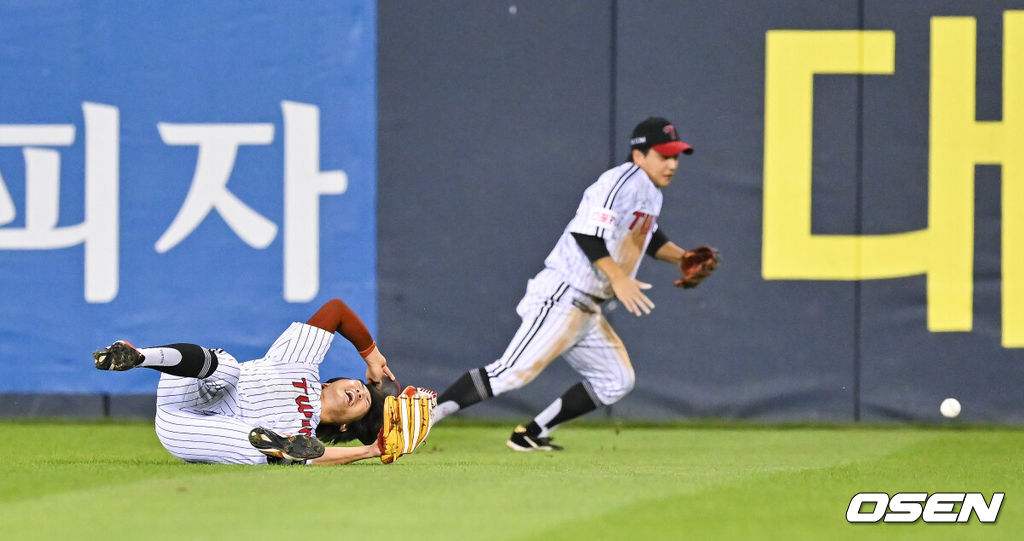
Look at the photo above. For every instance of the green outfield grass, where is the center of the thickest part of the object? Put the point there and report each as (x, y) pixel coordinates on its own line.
(639, 482)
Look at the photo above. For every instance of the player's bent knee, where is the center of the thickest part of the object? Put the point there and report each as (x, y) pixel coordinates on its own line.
(612, 394)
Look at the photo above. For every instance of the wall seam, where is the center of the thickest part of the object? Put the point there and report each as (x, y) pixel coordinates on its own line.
(613, 69)
(859, 225)
(613, 73)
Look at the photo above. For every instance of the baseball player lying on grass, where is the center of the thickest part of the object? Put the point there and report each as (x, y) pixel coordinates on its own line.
(211, 408)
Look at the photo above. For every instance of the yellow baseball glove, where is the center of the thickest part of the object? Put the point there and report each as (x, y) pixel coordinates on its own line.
(407, 419)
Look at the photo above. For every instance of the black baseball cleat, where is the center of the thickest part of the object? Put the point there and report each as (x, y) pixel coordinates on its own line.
(119, 356)
(274, 445)
(521, 441)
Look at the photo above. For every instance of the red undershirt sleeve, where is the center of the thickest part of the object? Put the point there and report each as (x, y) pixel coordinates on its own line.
(336, 316)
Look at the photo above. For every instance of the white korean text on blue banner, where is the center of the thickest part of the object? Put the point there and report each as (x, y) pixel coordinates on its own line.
(180, 173)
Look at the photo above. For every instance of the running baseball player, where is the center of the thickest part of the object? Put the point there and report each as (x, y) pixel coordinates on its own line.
(211, 408)
(595, 259)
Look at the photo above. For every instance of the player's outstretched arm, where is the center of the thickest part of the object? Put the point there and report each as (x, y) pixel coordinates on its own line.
(626, 289)
(336, 456)
(695, 265)
(671, 253)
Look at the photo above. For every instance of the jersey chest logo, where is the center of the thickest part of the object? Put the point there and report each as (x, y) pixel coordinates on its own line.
(305, 408)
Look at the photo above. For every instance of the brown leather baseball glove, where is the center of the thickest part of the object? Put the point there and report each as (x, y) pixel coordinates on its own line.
(697, 265)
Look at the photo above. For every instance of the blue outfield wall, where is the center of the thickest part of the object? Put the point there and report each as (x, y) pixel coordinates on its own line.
(180, 173)
(855, 162)
(871, 269)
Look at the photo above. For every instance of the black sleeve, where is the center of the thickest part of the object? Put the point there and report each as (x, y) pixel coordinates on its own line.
(592, 246)
(658, 239)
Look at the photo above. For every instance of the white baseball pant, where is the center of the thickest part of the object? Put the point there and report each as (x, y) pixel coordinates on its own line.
(561, 320)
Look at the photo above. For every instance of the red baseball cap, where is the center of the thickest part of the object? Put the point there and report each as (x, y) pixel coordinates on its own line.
(659, 134)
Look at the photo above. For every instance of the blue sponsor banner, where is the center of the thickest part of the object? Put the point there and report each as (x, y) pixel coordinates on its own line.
(178, 172)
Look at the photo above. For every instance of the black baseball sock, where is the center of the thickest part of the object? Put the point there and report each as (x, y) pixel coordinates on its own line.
(185, 360)
(576, 401)
(472, 387)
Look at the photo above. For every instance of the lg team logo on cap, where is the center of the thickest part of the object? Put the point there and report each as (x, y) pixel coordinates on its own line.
(670, 130)
(940, 507)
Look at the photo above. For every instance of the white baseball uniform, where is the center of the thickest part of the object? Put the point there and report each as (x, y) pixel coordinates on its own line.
(561, 310)
(208, 420)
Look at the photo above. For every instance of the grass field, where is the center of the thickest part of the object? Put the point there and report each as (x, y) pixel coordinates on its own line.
(107, 480)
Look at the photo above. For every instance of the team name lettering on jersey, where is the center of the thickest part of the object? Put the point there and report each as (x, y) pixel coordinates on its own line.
(645, 220)
(305, 408)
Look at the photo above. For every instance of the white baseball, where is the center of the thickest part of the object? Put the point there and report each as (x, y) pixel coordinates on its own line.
(950, 407)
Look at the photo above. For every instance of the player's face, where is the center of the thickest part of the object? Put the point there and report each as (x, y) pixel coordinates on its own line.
(659, 167)
(348, 398)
